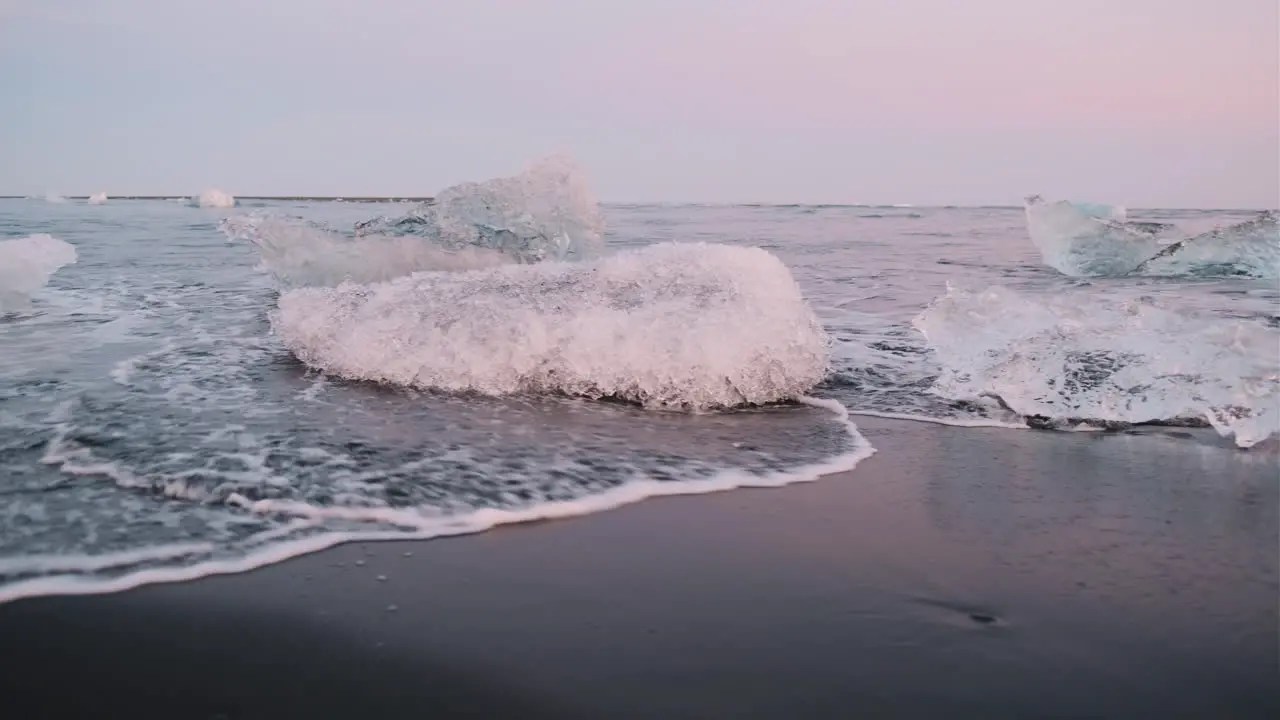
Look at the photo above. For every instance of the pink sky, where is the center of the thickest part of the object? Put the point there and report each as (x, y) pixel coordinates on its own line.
(1138, 102)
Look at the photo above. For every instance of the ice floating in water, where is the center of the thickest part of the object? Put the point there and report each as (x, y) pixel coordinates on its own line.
(299, 253)
(26, 264)
(1093, 240)
(1068, 359)
(674, 325)
(1250, 248)
(97, 198)
(1075, 242)
(545, 213)
(213, 198)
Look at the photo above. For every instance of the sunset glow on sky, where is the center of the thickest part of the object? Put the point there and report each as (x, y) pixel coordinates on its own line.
(1138, 102)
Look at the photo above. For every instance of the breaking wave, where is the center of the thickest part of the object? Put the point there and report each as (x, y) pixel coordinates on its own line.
(1066, 360)
(1099, 241)
(674, 325)
(544, 213)
(26, 264)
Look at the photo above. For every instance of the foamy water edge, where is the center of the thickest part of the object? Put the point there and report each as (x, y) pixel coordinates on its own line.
(469, 524)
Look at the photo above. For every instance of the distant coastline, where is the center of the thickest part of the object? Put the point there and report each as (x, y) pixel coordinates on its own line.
(281, 198)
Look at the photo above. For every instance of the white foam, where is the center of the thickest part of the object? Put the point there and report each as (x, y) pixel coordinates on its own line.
(97, 198)
(213, 198)
(27, 263)
(1079, 357)
(673, 325)
(961, 422)
(54, 197)
(428, 525)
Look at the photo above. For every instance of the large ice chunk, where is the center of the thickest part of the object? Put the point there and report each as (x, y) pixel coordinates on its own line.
(674, 325)
(1079, 357)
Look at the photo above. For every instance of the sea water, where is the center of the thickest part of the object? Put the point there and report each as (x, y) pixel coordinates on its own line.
(189, 388)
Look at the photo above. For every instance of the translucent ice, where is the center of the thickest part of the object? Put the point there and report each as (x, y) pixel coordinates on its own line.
(1077, 243)
(1125, 361)
(213, 198)
(674, 325)
(544, 213)
(1250, 248)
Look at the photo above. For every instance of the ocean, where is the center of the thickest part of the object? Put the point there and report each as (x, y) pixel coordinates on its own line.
(202, 390)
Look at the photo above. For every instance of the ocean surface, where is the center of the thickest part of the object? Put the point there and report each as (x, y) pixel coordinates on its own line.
(194, 395)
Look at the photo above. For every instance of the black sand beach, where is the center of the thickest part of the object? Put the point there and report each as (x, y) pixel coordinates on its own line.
(957, 573)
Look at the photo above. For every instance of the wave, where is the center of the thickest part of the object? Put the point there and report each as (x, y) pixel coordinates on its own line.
(26, 264)
(544, 213)
(1083, 240)
(97, 198)
(675, 325)
(1065, 360)
(213, 198)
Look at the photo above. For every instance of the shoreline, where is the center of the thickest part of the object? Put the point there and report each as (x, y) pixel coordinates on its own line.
(954, 573)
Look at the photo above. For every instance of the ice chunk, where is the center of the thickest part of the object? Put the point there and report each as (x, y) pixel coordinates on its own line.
(1250, 248)
(213, 198)
(1076, 243)
(1072, 358)
(673, 325)
(299, 253)
(26, 264)
(1101, 210)
(545, 213)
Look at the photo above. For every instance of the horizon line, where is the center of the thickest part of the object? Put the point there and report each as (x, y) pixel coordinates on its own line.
(427, 199)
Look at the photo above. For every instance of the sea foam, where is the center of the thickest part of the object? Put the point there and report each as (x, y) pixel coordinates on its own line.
(26, 264)
(673, 325)
(1082, 358)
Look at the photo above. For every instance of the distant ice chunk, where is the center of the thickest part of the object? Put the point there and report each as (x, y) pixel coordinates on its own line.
(1066, 359)
(1084, 243)
(299, 253)
(213, 198)
(544, 213)
(26, 264)
(674, 325)
(97, 198)
(1250, 248)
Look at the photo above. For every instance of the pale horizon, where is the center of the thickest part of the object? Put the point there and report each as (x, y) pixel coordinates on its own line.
(1145, 103)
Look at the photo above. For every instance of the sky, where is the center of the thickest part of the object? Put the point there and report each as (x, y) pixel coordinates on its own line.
(1144, 103)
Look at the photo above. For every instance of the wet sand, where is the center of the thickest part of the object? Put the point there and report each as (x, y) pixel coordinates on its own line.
(956, 573)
